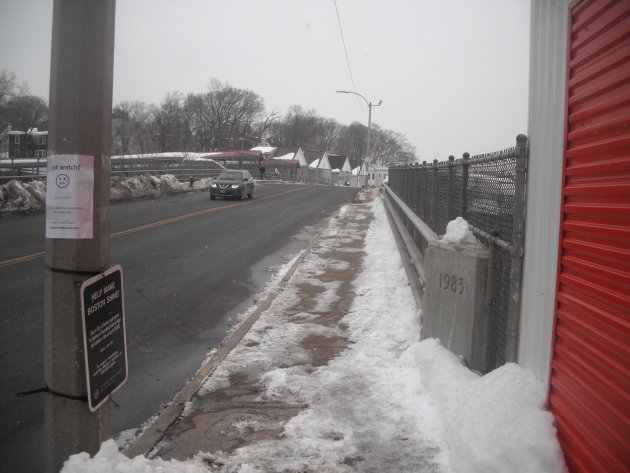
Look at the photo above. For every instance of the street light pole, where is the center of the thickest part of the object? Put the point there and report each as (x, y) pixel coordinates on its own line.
(369, 132)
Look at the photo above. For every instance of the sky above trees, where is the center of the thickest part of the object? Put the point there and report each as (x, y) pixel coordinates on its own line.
(452, 74)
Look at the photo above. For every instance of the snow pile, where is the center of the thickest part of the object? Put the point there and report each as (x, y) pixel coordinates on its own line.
(458, 231)
(492, 424)
(110, 460)
(389, 402)
(18, 196)
(152, 186)
(144, 185)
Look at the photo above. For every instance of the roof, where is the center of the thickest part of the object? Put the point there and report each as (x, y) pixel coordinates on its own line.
(284, 150)
(32, 132)
(167, 155)
(234, 154)
(337, 161)
(270, 150)
(312, 155)
(354, 162)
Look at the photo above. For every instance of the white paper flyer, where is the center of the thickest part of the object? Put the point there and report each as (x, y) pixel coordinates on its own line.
(70, 196)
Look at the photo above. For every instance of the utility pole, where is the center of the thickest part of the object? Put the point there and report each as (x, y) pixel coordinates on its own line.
(369, 133)
(369, 130)
(81, 78)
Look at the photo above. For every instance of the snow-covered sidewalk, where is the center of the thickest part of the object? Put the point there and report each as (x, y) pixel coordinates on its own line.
(358, 392)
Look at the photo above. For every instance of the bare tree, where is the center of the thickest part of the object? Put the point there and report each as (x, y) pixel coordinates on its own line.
(8, 87)
(226, 117)
(229, 117)
(25, 112)
(133, 128)
(352, 141)
(10, 91)
(390, 147)
(169, 122)
(195, 125)
(263, 126)
(328, 134)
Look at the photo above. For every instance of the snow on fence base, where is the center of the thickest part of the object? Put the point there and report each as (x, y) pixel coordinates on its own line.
(453, 304)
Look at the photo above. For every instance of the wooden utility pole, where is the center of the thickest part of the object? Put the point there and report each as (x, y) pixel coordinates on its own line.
(81, 78)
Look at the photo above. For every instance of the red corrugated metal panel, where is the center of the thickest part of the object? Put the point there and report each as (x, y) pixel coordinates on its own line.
(589, 387)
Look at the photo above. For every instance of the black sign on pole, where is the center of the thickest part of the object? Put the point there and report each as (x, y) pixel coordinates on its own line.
(104, 336)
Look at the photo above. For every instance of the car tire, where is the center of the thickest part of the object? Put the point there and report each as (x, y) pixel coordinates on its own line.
(212, 197)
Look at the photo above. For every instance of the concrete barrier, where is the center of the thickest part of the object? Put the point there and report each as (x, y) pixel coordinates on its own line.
(453, 302)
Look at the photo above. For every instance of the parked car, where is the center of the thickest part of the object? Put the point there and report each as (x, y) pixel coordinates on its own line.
(232, 183)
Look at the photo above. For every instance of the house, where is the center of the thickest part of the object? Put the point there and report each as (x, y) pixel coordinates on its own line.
(359, 176)
(323, 170)
(24, 144)
(313, 158)
(574, 331)
(376, 174)
(341, 170)
(283, 163)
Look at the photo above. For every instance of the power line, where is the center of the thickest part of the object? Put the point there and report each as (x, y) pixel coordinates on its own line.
(345, 50)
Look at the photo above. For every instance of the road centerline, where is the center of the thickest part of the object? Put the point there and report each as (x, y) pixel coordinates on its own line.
(178, 218)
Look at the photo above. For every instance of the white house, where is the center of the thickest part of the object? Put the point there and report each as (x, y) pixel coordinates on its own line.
(376, 174)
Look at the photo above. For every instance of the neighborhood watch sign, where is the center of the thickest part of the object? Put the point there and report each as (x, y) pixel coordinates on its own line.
(70, 196)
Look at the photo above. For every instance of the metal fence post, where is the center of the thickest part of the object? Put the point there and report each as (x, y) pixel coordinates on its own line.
(434, 194)
(409, 190)
(464, 203)
(416, 188)
(451, 188)
(518, 238)
(489, 312)
(424, 213)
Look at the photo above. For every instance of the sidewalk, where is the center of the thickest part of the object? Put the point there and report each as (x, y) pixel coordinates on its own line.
(327, 374)
(239, 404)
(266, 379)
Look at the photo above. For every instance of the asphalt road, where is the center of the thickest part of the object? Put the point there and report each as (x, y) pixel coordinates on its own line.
(189, 265)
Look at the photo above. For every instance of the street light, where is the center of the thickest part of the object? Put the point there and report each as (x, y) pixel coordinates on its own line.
(370, 105)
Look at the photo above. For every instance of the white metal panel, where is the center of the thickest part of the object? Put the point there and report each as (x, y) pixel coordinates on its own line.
(547, 91)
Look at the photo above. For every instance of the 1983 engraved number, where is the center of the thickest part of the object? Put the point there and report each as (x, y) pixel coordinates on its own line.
(450, 282)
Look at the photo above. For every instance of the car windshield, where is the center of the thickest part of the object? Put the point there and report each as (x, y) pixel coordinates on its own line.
(232, 176)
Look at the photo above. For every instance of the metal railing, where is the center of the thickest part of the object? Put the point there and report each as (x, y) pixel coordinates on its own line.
(489, 192)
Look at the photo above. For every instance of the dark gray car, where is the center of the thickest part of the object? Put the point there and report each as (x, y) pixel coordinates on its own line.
(232, 183)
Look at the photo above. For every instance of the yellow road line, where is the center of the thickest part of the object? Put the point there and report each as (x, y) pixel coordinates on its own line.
(21, 259)
(24, 259)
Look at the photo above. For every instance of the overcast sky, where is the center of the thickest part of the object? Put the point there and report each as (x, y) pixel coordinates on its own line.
(452, 74)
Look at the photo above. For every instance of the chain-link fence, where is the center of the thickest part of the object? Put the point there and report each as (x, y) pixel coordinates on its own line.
(488, 191)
